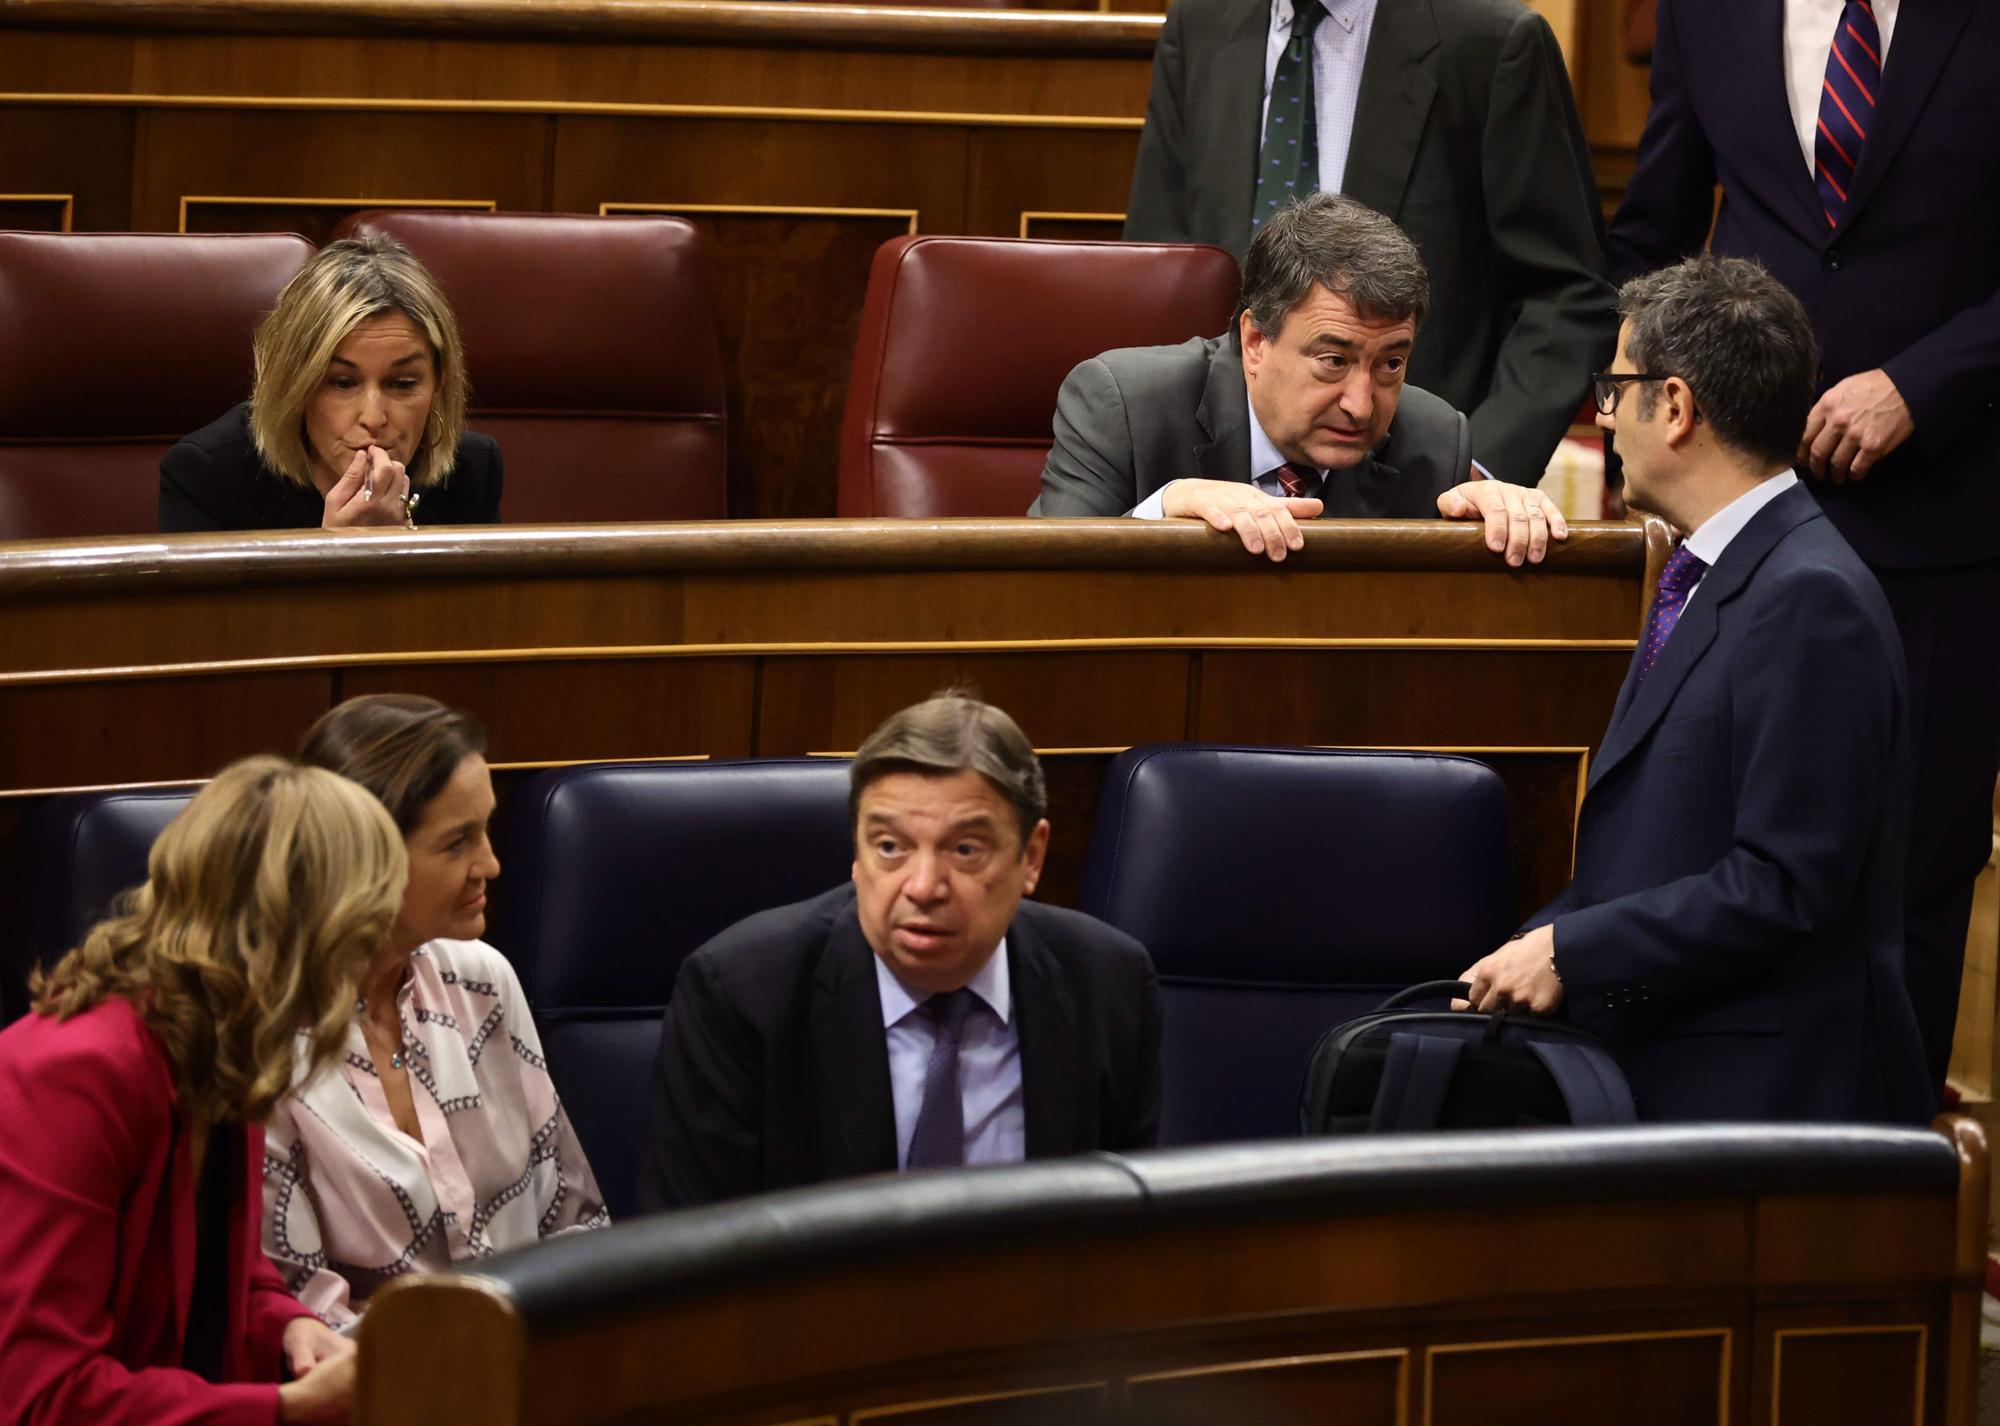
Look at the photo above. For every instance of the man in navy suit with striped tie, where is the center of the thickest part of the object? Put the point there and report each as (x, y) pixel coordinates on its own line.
(1734, 927)
(1857, 147)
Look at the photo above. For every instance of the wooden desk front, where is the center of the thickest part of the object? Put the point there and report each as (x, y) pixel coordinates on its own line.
(126, 661)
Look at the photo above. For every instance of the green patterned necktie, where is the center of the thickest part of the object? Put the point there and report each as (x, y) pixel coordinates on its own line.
(1288, 165)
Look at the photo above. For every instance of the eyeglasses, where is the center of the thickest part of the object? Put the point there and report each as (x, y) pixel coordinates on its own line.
(1608, 382)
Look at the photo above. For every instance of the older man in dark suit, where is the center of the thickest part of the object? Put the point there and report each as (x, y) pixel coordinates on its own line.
(1734, 926)
(1857, 145)
(1454, 118)
(925, 1015)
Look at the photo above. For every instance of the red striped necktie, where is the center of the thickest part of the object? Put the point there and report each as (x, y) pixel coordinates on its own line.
(1846, 106)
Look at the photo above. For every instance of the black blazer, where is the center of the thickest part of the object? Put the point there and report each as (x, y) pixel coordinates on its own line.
(213, 480)
(773, 1069)
(1909, 281)
(1735, 924)
(1466, 133)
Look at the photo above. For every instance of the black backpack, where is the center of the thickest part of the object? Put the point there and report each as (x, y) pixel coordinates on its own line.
(1399, 1070)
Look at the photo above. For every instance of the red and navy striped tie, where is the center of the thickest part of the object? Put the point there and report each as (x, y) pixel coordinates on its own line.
(1846, 105)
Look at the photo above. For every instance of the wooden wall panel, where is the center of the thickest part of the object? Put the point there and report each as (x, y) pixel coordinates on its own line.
(1052, 1406)
(1352, 1388)
(1353, 697)
(364, 157)
(1073, 227)
(152, 729)
(37, 212)
(1061, 170)
(86, 153)
(587, 709)
(1849, 1376)
(1658, 1379)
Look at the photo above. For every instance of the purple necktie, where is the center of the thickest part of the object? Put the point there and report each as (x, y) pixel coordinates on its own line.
(1684, 570)
(938, 1141)
(1846, 106)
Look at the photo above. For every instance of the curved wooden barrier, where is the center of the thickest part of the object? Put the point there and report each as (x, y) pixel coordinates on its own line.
(1652, 1277)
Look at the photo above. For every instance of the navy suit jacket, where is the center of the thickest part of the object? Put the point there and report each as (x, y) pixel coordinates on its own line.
(1734, 928)
(773, 1067)
(1909, 281)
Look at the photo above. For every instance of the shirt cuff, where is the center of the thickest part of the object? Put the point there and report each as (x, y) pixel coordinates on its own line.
(1480, 472)
(1153, 507)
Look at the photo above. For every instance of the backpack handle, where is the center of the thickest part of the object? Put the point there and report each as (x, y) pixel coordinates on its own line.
(1427, 990)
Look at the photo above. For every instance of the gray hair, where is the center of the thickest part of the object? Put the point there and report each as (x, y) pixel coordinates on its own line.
(1344, 246)
(1739, 339)
(949, 733)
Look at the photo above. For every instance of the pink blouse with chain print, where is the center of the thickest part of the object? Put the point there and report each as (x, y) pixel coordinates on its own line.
(350, 1201)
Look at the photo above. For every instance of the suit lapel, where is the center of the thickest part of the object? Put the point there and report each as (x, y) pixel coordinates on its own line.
(1924, 39)
(1363, 492)
(1224, 418)
(1761, 44)
(1045, 1021)
(1239, 89)
(850, 1056)
(1397, 87)
(1640, 709)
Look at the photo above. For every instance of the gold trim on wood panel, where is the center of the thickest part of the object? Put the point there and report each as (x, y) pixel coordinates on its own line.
(606, 210)
(68, 201)
(904, 1408)
(1865, 1330)
(470, 205)
(581, 109)
(580, 653)
(1401, 1356)
(1028, 214)
(1461, 1348)
(539, 765)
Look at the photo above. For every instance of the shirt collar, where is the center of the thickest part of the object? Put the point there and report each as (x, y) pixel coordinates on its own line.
(1708, 542)
(992, 985)
(1264, 457)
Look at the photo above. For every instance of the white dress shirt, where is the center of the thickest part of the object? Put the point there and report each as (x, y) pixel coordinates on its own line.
(1808, 44)
(989, 1063)
(1340, 44)
(1707, 543)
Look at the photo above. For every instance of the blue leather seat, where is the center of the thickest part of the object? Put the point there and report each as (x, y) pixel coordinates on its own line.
(616, 872)
(1282, 891)
(76, 852)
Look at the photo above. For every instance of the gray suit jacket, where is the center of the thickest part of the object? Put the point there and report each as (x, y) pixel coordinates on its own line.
(1466, 133)
(1134, 419)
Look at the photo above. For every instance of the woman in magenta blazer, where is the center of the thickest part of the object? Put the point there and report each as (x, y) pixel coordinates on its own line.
(133, 1288)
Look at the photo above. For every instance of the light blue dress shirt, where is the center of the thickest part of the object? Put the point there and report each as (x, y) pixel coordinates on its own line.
(1340, 44)
(989, 1063)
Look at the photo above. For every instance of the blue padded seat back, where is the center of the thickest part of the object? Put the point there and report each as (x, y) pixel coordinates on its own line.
(76, 852)
(614, 873)
(1284, 890)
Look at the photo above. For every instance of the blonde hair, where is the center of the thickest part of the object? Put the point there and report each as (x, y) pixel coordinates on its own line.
(345, 284)
(264, 902)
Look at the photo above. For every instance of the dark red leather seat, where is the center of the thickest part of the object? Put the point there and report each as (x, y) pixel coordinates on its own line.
(112, 347)
(592, 348)
(965, 341)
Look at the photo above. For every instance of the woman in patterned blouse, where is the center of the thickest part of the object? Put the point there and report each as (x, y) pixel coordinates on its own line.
(440, 1138)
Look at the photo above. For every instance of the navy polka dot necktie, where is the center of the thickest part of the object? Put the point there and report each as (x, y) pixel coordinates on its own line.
(1677, 581)
(1288, 165)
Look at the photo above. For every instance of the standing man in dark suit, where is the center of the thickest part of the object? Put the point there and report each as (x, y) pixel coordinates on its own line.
(1734, 926)
(1858, 150)
(1453, 117)
(925, 1015)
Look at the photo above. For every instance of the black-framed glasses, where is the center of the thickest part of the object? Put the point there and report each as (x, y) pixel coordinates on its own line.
(1606, 384)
